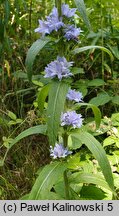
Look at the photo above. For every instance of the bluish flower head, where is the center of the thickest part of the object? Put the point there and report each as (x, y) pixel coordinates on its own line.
(71, 33)
(68, 12)
(71, 118)
(74, 95)
(59, 151)
(52, 23)
(55, 23)
(44, 28)
(58, 68)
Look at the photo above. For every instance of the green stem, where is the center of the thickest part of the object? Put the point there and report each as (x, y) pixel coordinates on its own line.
(58, 4)
(102, 41)
(65, 139)
(66, 183)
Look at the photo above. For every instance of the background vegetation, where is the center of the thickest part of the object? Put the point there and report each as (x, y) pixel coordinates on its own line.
(99, 83)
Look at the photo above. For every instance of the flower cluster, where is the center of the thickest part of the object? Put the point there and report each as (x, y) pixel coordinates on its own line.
(58, 68)
(53, 23)
(74, 95)
(71, 118)
(59, 151)
(68, 12)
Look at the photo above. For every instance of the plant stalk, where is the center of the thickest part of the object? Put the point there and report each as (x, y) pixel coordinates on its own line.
(65, 139)
(58, 4)
(66, 183)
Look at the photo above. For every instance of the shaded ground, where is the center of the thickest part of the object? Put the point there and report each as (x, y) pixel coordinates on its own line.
(20, 170)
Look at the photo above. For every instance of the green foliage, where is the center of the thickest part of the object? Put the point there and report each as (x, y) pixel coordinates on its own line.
(42, 97)
(9, 142)
(88, 178)
(49, 176)
(56, 101)
(30, 131)
(96, 111)
(101, 99)
(82, 49)
(32, 52)
(95, 74)
(99, 153)
(82, 9)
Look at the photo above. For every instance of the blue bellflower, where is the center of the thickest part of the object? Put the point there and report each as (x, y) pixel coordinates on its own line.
(52, 23)
(74, 95)
(71, 32)
(58, 68)
(71, 118)
(68, 12)
(59, 151)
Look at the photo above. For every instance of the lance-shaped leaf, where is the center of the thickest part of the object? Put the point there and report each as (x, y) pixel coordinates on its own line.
(48, 177)
(56, 101)
(39, 129)
(99, 153)
(42, 97)
(89, 178)
(83, 49)
(82, 9)
(31, 54)
(95, 109)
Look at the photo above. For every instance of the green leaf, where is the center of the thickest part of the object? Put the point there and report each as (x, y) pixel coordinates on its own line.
(54, 196)
(101, 99)
(39, 129)
(32, 52)
(114, 50)
(12, 115)
(96, 82)
(88, 178)
(46, 179)
(115, 99)
(25, 197)
(42, 97)
(82, 9)
(109, 141)
(1, 162)
(73, 142)
(96, 111)
(17, 121)
(92, 192)
(99, 153)
(56, 101)
(6, 11)
(82, 49)
(76, 70)
(115, 119)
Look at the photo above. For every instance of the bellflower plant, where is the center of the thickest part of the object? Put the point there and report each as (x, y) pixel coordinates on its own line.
(59, 68)
(71, 118)
(63, 123)
(59, 151)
